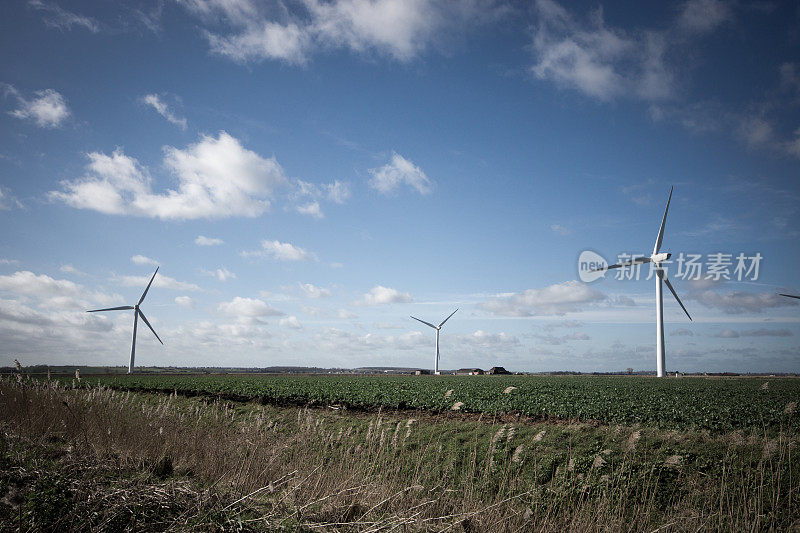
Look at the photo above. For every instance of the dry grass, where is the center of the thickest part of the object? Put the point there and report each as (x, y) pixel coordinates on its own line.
(163, 462)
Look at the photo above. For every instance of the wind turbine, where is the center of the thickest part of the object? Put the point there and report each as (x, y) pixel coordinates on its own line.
(657, 258)
(136, 314)
(437, 328)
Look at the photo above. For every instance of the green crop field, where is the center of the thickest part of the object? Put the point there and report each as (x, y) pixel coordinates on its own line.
(707, 403)
(263, 452)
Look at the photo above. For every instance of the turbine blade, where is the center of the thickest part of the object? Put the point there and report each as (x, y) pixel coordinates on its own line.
(148, 287)
(426, 323)
(123, 308)
(675, 294)
(448, 318)
(657, 247)
(789, 295)
(637, 261)
(149, 326)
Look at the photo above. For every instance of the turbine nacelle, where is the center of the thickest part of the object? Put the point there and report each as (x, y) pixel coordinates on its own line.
(660, 258)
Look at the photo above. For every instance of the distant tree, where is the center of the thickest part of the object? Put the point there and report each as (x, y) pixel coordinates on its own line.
(630, 370)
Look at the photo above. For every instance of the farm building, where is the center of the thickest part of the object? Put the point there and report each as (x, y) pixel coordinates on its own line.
(469, 372)
(498, 370)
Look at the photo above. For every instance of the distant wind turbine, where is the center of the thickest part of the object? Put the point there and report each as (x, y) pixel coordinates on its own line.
(789, 295)
(437, 328)
(657, 258)
(136, 314)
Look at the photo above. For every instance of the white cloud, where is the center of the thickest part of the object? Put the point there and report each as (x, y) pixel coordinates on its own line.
(237, 11)
(47, 323)
(385, 325)
(161, 281)
(380, 295)
(315, 311)
(623, 300)
(338, 192)
(208, 241)
(339, 341)
(790, 77)
(397, 172)
(217, 178)
(727, 334)
(681, 332)
(702, 16)
(48, 108)
(345, 314)
(267, 40)
(560, 230)
(311, 194)
(401, 29)
(305, 189)
(556, 299)
(222, 274)
(312, 209)
(756, 131)
(556, 340)
(597, 60)
(763, 332)
(489, 341)
(58, 298)
(57, 17)
(184, 301)
(26, 282)
(290, 322)
(563, 324)
(313, 291)
(248, 310)
(7, 201)
(738, 302)
(69, 269)
(143, 260)
(792, 146)
(161, 107)
(281, 251)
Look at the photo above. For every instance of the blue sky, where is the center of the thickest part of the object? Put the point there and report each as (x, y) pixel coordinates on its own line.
(309, 173)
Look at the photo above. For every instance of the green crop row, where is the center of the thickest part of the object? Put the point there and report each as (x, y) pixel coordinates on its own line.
(715, 404)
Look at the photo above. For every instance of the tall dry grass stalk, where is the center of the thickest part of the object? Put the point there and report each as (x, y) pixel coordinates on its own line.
(328, 470)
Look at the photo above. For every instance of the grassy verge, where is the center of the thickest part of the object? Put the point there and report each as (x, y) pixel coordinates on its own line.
(100, 459)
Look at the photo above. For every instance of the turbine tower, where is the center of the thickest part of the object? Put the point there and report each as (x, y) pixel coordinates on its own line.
(136, 314)
(657, 258)
(437, 328)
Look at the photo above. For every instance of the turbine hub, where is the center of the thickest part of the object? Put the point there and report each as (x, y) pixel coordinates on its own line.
(660, 258)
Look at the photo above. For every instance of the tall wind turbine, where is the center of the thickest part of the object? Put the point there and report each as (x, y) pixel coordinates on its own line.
(657, 258)
(136, 314)
(437, 328)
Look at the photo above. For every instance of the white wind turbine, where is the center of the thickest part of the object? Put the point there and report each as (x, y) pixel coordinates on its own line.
(657, 258)
(136, 314)
(437, 328)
